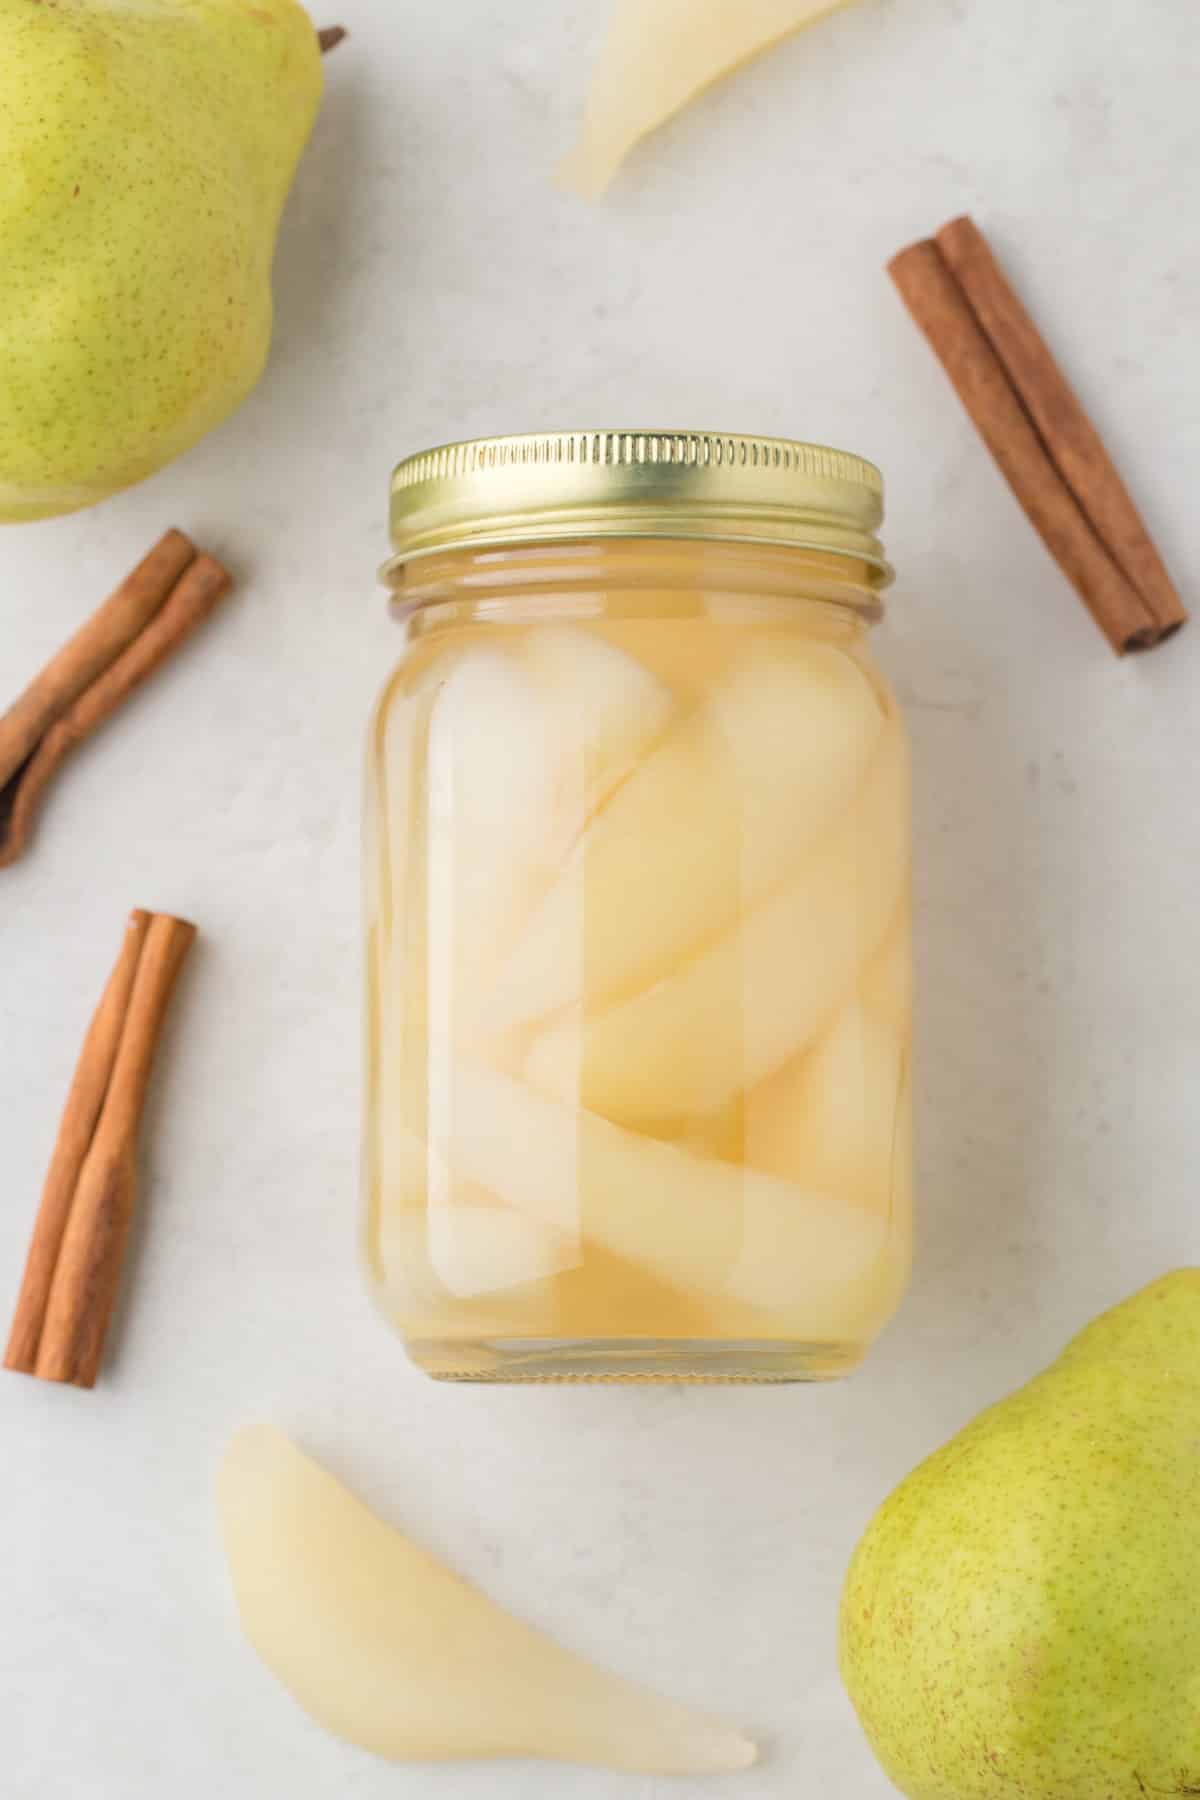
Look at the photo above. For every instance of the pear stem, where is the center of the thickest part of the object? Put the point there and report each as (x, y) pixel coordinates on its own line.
(330, 36)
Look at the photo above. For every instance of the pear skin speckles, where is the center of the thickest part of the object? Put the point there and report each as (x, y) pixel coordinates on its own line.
(1019, 1621)
(146, 151)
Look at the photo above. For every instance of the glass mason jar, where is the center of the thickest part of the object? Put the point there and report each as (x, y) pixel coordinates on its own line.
(638, 915)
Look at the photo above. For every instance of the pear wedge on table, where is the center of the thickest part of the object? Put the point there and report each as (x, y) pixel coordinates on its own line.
(384, 1646)
(659, 55)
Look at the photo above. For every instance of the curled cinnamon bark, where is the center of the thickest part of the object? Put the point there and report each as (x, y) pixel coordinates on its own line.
(73, 1270)
(149, 616)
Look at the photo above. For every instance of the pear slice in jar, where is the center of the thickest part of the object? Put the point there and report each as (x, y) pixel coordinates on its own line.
(701, 1226)
(609, 1297)
(887, 990)
(525, 740)
(448, 1259)
(607, 710)
(470, 1244)
(731, 799)
(412, 1297)
(676, 636)
(387, 1648)
(903, 1174)
(760, 993)
(830, 1117)
(480, 1246)
(475, 1266)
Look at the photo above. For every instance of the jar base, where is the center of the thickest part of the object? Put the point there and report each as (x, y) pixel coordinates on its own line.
(693, 1360)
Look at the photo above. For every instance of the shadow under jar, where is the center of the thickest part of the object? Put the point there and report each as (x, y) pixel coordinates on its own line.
(638, 916)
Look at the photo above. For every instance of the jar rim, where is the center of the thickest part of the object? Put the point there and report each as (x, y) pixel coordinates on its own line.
(544, 488)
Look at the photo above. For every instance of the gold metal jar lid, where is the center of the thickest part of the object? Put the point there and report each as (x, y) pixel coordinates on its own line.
(494, 492)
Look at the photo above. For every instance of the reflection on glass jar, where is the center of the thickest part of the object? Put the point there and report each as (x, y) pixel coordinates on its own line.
(639, 1070)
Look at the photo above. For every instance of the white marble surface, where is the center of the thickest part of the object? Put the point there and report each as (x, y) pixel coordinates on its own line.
(432, 282)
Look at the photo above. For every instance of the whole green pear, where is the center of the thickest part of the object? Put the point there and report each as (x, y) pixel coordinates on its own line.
(146, 151)
(1021, 1620)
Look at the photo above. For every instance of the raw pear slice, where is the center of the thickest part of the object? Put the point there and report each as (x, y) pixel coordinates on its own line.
(659, 55)
(729, 801)
(745, 1004)
(384, 1646)
(703, 1226)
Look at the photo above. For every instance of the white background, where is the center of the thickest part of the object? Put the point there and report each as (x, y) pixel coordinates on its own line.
(431, 283)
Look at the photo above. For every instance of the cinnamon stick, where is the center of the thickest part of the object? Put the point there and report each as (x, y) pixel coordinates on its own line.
(94, 646)
(73, 1270)
(1045, 446)
(1074, 444)
(150, 615)
(84, 1102)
